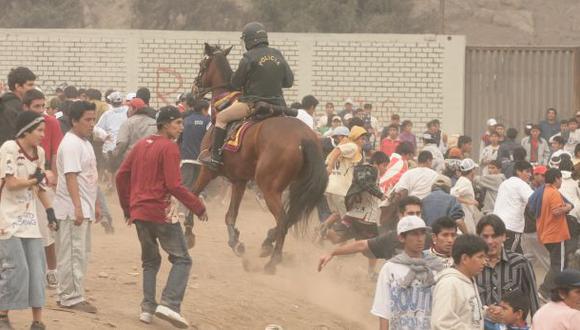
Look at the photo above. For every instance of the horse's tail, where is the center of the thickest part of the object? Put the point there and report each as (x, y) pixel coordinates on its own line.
(309, 188)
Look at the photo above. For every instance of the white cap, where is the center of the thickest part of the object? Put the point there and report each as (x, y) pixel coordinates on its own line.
(410, 222)
(349, 100)
(467, 165)
(348, 116)
(115, 97)
(130, 96)
(340, 131)
(491, 122)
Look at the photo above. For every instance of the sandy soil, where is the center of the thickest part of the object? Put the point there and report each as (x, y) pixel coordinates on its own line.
(221, 294)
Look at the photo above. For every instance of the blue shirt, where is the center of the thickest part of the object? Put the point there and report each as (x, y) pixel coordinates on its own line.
(549, 130)
(194, 128)
(440, 204)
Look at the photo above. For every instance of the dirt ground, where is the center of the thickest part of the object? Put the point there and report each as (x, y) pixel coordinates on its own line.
(221, 294)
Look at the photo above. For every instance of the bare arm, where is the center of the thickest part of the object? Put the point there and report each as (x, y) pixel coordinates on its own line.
(14, 183)
(384, 324)
(332, 158)
(72, 186)
(461, 225)
(350, 248)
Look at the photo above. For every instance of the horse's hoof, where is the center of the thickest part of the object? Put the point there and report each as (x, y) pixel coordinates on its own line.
(266, 251)
(239, 249)
(270, 268)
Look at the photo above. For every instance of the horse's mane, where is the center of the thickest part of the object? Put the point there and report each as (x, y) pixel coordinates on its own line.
(223, 65)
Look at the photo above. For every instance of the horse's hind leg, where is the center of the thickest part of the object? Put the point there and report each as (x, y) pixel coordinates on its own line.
(277, 234)
(238, 189)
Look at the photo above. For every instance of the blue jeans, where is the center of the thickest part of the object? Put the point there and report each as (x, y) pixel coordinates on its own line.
(172, 241)
(22, 270)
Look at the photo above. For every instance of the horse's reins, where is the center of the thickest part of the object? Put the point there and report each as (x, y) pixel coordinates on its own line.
(202, 91)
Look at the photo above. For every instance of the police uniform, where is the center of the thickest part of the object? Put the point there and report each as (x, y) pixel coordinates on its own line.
(261, 75)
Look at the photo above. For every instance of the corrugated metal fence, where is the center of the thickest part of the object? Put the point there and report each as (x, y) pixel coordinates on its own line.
(516, 85)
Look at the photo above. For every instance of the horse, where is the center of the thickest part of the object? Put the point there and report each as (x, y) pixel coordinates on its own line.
(277, 153)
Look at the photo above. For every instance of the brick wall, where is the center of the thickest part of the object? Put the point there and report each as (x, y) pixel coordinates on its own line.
(418, 76)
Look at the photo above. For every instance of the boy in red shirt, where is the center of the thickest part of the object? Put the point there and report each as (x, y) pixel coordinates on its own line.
(146, 182)
(391, 141)
(552, 227)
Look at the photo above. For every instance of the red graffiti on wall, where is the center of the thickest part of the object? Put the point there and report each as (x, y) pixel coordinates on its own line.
(162, 95)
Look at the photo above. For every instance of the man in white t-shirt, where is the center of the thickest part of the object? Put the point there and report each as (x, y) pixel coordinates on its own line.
(418, 181)
(510, 204)
(306, 114)
(75, 206)
(405, 284)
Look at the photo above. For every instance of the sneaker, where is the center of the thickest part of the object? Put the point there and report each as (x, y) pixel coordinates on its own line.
(5, 323)
(37, 325)
(51, 281)
(146, 317)
(83, 306)
(171, 316)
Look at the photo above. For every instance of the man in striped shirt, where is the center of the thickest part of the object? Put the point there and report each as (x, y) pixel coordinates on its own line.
(506, 271)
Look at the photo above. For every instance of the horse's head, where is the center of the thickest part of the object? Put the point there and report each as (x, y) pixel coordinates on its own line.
(214, 69)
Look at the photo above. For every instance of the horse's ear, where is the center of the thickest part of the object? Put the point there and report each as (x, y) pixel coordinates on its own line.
(227, 51)
(208, 49)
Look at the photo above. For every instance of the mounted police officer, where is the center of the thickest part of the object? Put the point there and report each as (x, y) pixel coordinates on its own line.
(261, 75)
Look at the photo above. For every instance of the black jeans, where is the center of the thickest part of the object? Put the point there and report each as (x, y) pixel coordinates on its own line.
(557, 264)
(170, 237)
(513, 242)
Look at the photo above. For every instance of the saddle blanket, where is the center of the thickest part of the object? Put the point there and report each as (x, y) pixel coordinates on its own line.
(235, 138)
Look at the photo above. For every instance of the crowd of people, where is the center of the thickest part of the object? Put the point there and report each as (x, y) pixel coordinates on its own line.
(55, 156)
(470, 236)
(464, 236)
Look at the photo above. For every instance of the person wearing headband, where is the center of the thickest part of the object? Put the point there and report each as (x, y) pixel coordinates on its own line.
(21, 244)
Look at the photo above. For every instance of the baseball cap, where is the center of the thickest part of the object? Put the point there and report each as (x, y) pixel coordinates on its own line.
(455, 152)
(340, 131)
(336, 118)
(348, 116)
(567, 278)
(356, 132)
(410, 222)
(137, 103)
(491, 122)
(577, 113)
(540, 169)
(467, 165)
(349, 101)
(115, 97)
(167, 114)
(130, 96)
(442, 181)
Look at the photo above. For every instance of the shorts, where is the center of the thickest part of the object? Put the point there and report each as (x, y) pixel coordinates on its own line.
(336, 204)
(47, 234)
(352, 228)
(22, 272)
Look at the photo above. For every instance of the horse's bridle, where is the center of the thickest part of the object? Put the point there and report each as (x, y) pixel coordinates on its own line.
(203, 66)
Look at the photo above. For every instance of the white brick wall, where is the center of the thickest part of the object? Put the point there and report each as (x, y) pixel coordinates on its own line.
(418, 76)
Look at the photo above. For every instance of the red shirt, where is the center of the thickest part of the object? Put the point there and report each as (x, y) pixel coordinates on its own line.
(148, 178)
(388, 146)
(52, 137)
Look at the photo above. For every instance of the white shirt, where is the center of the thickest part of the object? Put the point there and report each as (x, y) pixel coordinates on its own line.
(512, 197)
(111, 122)
(464, 189)
(306, 118)
(340, 179)
(405, 308)
(76, 155)
(18, 207)
(418, 182)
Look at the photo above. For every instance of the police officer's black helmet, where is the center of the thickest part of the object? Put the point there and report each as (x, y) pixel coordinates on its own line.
(254, 33)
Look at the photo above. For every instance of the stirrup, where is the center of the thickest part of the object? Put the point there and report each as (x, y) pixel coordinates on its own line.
(212, 164)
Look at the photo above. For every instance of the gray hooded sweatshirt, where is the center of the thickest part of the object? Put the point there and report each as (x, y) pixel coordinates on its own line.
(456, 303)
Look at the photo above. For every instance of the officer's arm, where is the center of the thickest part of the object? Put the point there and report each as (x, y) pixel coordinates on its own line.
(241, 74)
(288, 76)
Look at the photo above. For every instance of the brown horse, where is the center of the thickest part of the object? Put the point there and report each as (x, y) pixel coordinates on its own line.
(277, 153)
